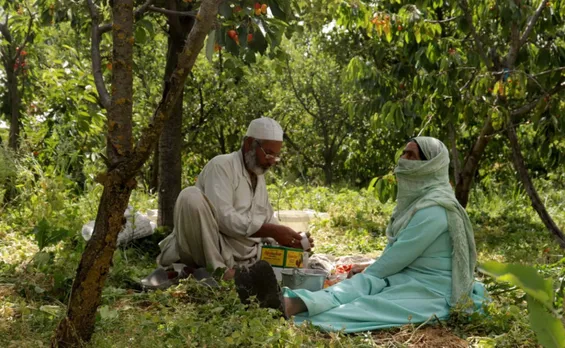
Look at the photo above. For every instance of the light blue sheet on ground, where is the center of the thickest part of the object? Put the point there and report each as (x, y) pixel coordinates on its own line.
(409, 283)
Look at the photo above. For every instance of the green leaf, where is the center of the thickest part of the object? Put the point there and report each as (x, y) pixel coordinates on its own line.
(543, 59)
(258, 44)
(242, 34)
(417, 34)
(51, 309)
(249, 57)
(231, 46)
(210, 43)
(225, 9)
(148, 25)
(140, 35)
(524, 277)
(107, 314)
(371, 186)
(46, 235)
(40, 232)
(549, 329)
(381, 187)
(42, 258)
(276, 10)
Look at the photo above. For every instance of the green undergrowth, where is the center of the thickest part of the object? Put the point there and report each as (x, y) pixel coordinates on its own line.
(35, 285)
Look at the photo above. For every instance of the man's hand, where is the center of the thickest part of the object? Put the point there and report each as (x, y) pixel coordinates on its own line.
(288, 237)
(284, 235)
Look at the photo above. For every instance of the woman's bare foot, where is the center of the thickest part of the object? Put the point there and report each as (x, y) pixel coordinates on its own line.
(293, 306)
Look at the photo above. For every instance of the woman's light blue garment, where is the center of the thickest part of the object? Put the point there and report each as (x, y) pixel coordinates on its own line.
(409, 283)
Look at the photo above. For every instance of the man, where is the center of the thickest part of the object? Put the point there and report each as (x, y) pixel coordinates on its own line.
(220, 222)
(427, 266)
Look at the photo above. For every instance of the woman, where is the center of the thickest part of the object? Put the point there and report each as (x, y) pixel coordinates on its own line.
(426, 268)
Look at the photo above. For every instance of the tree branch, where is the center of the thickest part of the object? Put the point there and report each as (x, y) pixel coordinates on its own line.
(103, 94)
(530, 106)
(468, 82)
(5, 32)
(318, 102)
(28, 36)
(138, 14)
(471, 163)
(296, 92)
(441, 21)
(297, 148)
(518, 41)
(532, 21)
(537, 204)
(173, 13)
(478, 43)
(454, 152)
(549, 71)
(173, 20)
(514, 46)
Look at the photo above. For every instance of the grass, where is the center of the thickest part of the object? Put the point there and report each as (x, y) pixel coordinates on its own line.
(34, 286)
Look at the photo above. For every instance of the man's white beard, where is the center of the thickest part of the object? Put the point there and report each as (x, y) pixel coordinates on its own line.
(251, 161)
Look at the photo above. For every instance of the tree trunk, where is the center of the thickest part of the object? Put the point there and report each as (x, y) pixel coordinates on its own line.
(454, 153)
(96, 260)
(154, 175)
(15, 112)
(328, 170)
(537, 204)
(94, 266)
(469, 170)
(170, 142)
(124, 164)
(15, 108)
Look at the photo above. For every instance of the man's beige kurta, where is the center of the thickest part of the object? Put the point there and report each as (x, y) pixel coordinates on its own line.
(215, 219)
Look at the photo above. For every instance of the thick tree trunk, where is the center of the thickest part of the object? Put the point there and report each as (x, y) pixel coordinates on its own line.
(124, 163)
(537, 204)
(328, 176)
(15, 112)
(94, 266)
(96, 260)
(469, 170)
(170, 142)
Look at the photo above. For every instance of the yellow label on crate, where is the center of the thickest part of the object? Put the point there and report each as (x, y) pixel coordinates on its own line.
(294, 259)
(273, 256)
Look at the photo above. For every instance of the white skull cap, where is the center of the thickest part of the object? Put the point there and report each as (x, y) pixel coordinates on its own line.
(265, 128)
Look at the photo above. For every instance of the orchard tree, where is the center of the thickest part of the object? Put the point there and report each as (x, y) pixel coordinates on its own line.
(464, 71)
(314, 116)
(17, 29)
(124, 158)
